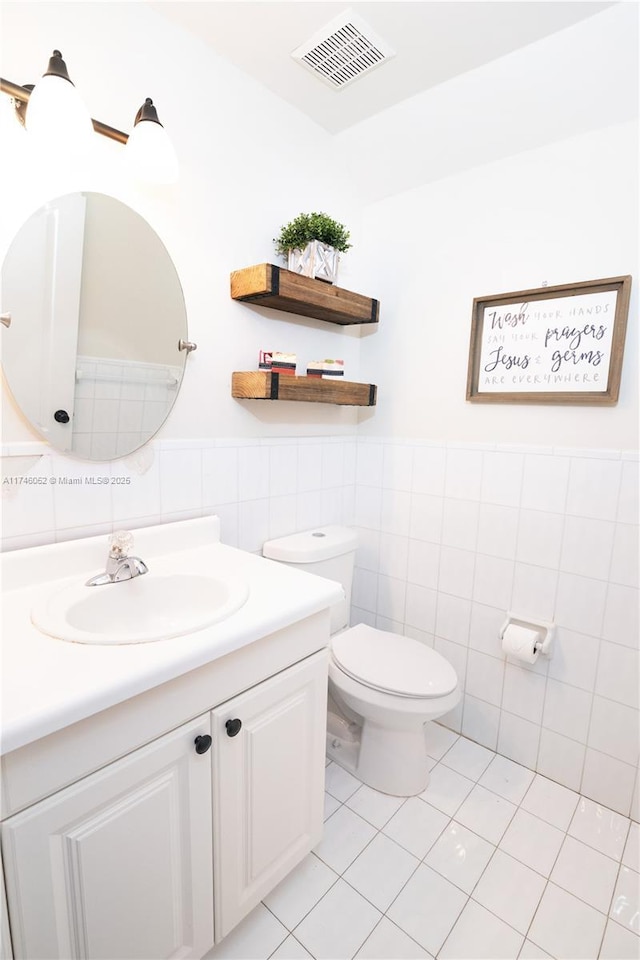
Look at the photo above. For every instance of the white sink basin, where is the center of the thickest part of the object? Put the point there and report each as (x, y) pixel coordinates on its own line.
(145, 608)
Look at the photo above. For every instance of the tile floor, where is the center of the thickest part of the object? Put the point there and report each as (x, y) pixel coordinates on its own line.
(491, 861)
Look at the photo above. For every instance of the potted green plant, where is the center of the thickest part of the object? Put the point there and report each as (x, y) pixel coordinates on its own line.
(312, 244)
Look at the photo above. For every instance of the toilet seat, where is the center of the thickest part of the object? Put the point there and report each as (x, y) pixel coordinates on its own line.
(392, 663)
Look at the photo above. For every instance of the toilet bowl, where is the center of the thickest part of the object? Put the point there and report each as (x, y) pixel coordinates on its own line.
(383, 686)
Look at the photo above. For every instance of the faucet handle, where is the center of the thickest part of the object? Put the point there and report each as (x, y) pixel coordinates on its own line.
(121, 543)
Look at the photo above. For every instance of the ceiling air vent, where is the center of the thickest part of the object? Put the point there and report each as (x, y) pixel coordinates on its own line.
(344, 50)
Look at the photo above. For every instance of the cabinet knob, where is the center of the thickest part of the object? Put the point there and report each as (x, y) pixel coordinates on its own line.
(233, 727)
(202, 743)
(61, 416)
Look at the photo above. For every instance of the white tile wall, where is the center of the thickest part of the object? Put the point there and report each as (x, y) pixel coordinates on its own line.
(260, 489)
(549, 534)
(451, 537)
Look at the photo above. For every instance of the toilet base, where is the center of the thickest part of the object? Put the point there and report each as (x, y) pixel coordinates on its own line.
(393, 761)
(390, 761)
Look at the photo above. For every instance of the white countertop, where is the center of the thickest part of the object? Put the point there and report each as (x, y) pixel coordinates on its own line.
(48, 684)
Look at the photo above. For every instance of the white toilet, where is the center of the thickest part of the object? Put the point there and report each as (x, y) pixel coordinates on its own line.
(383, 687)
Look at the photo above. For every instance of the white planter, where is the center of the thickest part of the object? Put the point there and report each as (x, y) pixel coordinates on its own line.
(317, 260)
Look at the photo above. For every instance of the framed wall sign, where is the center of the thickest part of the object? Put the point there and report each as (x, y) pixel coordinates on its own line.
(560, 344)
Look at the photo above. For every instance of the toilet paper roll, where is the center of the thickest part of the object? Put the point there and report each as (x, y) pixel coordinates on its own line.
(519, 643)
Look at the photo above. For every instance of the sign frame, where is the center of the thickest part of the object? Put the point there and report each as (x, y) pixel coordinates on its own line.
(607, 397)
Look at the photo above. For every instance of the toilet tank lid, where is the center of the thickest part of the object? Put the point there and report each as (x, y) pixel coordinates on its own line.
(321, 543)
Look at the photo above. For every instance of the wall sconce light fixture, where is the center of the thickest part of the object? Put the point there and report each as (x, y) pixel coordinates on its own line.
(53, 109)
(56, 109)
(150, 152)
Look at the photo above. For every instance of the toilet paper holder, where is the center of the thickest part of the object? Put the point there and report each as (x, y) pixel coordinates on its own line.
(545, 628)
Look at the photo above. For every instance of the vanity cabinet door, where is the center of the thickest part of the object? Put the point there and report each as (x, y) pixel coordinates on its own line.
(268, 785)
(118, 865)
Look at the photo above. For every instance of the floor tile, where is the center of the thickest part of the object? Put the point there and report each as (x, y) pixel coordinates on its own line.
(330, 805)
(486, 813)
(625, 908)
(510, 890)
(532, 841)
(506, 778)
(481, 889)
(416, 826)
(600, 828)
(566, 927)
(460, 856)
(388, 942)
(631, 856)
(345, 836)
(447, 789)
(299, 892)
(585, 873)
(374, 807)
(338, 925)
(478, 935)
(339, 782)
(427, 908)
(381, 871)
(551, 802)
(468, 758)
(438, 739)
(619, 944)
(255, 938)
(532, 952)
(291, 949)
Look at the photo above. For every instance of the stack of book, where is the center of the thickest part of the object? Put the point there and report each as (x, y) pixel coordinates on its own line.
(277, 362)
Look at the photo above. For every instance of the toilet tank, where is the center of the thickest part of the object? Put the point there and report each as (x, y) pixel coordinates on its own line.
(326, 551)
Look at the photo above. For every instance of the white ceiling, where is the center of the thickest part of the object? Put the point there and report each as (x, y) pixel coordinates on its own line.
(434, 41)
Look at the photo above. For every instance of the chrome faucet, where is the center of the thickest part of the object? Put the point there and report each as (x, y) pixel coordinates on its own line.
(120, 564)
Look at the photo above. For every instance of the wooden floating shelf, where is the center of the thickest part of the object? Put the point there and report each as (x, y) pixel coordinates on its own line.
(263, 385)
(280, 289)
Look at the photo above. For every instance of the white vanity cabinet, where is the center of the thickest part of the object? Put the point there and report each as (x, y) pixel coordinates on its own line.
(119, 864)
(136, 859)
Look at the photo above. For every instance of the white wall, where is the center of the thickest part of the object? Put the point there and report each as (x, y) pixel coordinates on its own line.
(249, 163)
(503, 198)
(563, 213)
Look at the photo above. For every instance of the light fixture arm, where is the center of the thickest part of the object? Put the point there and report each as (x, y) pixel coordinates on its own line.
(21, 94)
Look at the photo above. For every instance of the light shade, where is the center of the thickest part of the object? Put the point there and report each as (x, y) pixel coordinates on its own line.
(56, 113)
(149, 150)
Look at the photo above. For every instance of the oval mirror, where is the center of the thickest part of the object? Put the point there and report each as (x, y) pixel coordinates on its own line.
(96, 311)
